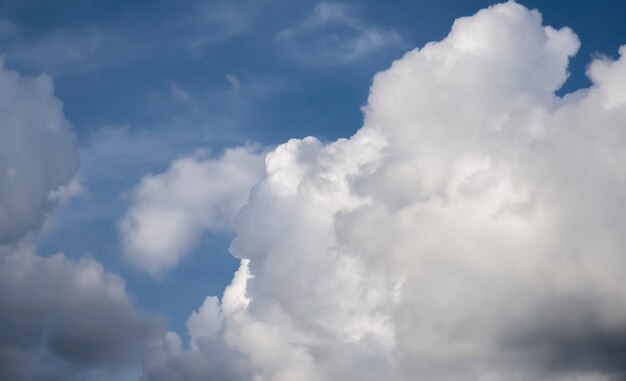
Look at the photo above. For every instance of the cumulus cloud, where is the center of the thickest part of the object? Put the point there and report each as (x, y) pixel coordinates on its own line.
(472, 229)
(37, 151)
(61, 318)
(170, 211)
(334, 35)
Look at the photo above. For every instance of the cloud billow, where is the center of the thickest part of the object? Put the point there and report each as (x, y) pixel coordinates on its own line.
(38, 152)
(471, 229)
(170, 211)
(60, 319)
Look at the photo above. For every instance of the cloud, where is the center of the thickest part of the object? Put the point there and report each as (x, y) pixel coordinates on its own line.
(170, 211)
(218, 21)
(70, 50)
(121, 40)
(235, 84)
(180, 93)
(37, 152)
(205, 323)
(60, 318)
(73, 189)
(334, 35)
(471, 229)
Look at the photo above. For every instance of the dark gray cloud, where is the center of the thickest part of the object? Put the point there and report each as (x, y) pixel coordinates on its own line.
(72, 313)
(569, 334)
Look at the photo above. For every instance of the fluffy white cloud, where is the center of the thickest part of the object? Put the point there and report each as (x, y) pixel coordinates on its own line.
(334, 35)
(472, 229)
(205, 323)
(37, 151)
(170, 211)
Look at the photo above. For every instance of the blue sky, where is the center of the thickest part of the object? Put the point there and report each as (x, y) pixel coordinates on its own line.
(147, 82)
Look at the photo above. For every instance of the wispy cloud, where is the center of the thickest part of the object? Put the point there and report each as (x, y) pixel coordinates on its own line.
(218, 21)
(71, 50)
(234, 81)
(125, 39)
(334, 34)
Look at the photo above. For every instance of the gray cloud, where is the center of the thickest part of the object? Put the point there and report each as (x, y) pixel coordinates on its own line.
(574, 334)
(59, 318)
(70, 313)
(37, 152)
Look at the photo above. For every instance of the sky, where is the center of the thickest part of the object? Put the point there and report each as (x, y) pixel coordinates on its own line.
(301, 191)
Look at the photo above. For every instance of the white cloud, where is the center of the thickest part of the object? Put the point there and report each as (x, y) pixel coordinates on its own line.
(471, 229)
(170, 211)
(219, 21)
(206, 322)
(37, 151)
(334, 35)
(73, 189)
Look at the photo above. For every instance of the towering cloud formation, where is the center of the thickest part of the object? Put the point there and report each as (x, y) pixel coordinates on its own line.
(472, 229)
